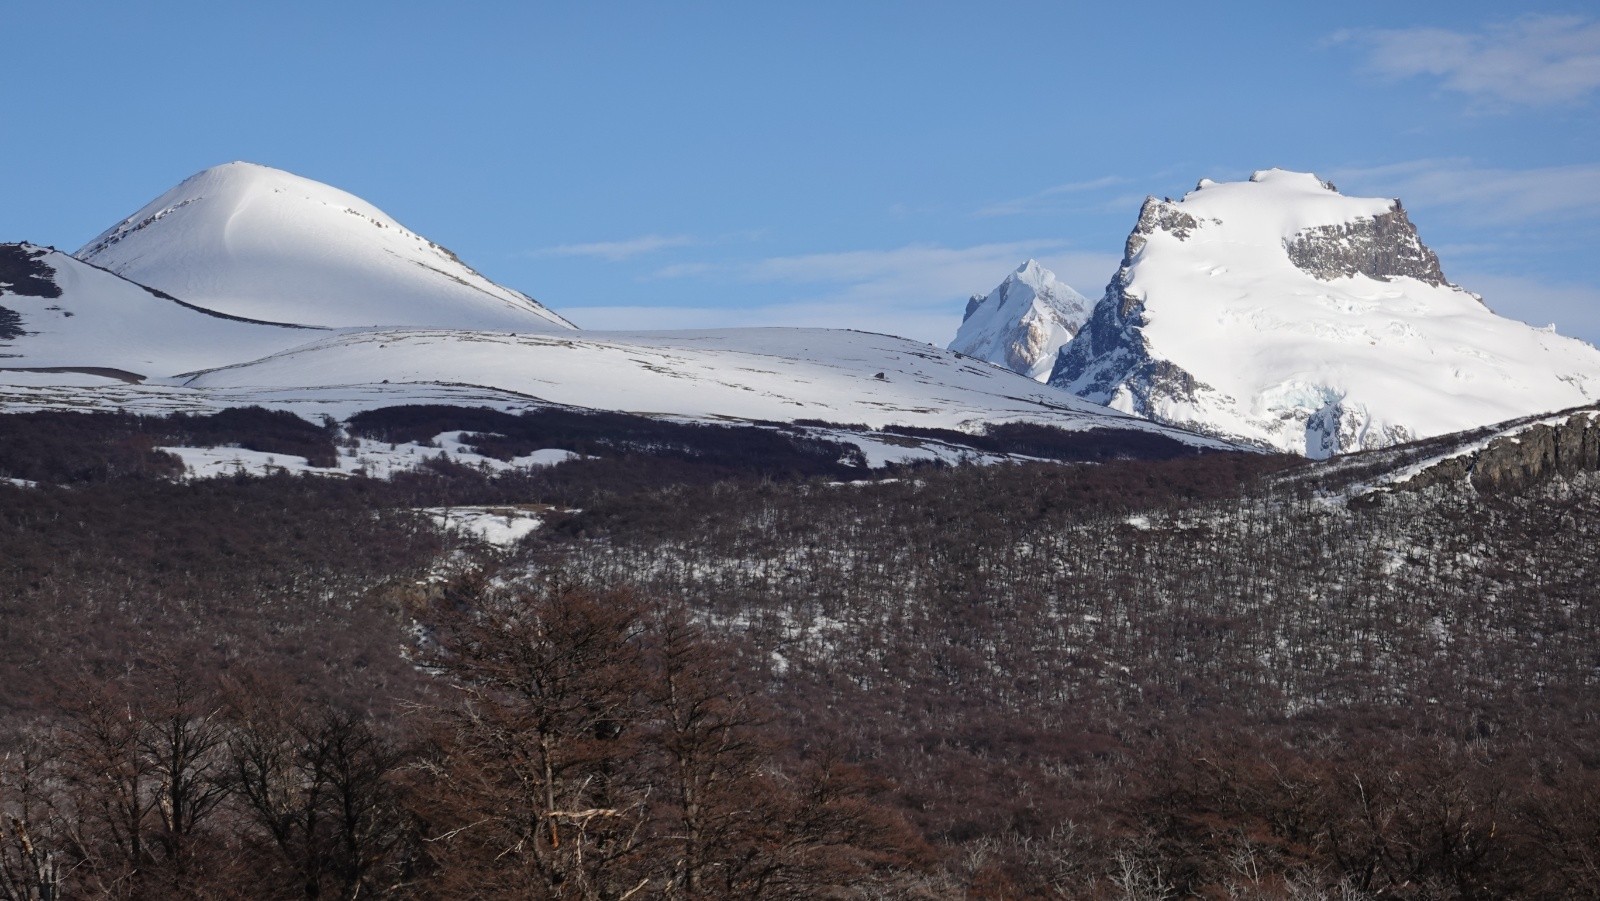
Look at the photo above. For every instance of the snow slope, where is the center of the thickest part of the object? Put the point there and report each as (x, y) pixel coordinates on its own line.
(1022, 324)
(256, 242)
(74, 316)
(774, 374)
(1280, 312)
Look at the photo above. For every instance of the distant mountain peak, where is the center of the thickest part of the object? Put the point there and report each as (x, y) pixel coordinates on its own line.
(1281, 312)
(1023, 322)
(249, 240)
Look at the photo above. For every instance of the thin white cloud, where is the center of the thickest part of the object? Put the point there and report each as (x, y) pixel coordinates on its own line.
(914, 269)
(917, 291)
(1535, 60)
(682, 270)
(616, 251)
(1493, 196)
(1049, 199)
(1573, 309)
(930, 323)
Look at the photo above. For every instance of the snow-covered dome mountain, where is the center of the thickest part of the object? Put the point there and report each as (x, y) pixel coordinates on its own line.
(1022, 323)
(257, 242)
(1280, 312)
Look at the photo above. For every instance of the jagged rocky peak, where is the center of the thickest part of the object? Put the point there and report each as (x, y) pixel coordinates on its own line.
(1157, 215)
(1280, 312)
(257, 242)
(1023, 322)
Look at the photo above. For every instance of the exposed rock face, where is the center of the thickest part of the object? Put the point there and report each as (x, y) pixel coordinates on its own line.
(1522, 457)
(1108, 361)
(1382, 247)
(1021, 324)
(1515, 462)
(1157, 215)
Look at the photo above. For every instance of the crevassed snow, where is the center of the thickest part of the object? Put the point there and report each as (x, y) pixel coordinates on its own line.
(1022, 324)
(252, 241)
(1318, 366)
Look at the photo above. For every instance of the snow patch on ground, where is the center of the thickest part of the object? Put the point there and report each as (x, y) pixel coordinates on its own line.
(500, 526)
(375, 459)
(217, 462)
(380, 459)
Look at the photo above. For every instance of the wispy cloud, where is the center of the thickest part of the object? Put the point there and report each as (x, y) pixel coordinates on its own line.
(1535, 60)
(933, 324)
(616, 251)
(1572, 308)
(1050, 198)
(913, 270)
(917, 291)
(1494, 196)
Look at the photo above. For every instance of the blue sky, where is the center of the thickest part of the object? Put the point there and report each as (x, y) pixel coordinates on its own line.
(856, 164)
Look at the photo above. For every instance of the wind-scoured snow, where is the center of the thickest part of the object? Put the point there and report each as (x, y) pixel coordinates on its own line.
(99, 321)
(1022, 324)
(256, 242)
(1282, 313)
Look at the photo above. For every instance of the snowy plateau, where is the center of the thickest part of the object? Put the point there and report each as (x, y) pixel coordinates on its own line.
(246, 285)
(1280, 313)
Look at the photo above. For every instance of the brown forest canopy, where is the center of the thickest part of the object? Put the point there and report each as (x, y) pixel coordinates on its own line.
(1189, 678)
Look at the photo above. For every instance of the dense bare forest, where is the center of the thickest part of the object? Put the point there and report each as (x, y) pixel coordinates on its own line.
(730, 673)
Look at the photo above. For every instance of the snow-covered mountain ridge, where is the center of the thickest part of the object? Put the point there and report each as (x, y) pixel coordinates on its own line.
(257, 242)
(269, 289)
(1023, 323)
(1282, 313)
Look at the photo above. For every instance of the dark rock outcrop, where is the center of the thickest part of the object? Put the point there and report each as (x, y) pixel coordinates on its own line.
(1383, 247)
(1110, 350)
(1518, 461)
(1157, 215)
(24, 272)
(973, 303)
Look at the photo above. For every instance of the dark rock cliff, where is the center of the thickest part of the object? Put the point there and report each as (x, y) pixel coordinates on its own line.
(1110, 350)
(1383, 247)
(1516, 462)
